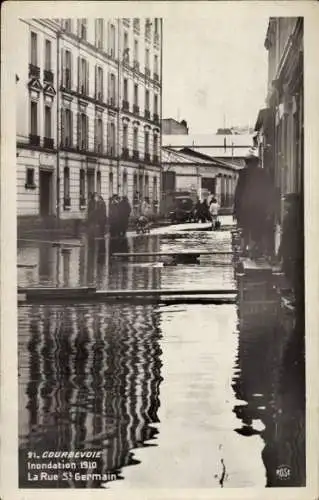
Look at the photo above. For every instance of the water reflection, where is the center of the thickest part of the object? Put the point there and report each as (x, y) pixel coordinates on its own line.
(91, 378)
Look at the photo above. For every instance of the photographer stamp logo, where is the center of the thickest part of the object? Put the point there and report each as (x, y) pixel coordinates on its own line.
(283, 472)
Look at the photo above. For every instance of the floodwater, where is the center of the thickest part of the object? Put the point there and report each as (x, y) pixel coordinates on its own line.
(174, 396)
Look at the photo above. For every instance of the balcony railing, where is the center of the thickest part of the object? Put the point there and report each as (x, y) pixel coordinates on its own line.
(125, 105)
(136, 109)
(111, 151)
(156, 118)
(66, 142)
(135, 154)
(83, 90)
(147, 72)
(125, 153)
(67, 78)
(34, 140)
(83, 145)
(48, 76)
(111, 101)
(147, 114)
(99, 96)
(147, 157)
(34, 71)
(48, 143)
(156, 77)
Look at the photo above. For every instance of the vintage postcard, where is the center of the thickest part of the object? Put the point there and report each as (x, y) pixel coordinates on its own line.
(159, 268)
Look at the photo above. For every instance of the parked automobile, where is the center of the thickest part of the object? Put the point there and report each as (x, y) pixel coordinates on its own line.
(182, 209)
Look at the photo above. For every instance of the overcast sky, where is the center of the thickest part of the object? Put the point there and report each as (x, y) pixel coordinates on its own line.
(214, 67)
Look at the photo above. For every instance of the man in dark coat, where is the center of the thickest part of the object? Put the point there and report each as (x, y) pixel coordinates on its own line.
(254, 205)
(114, 216)
(101, 215)
(124, 215)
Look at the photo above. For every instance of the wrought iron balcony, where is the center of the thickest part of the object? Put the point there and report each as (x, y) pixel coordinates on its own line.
(156, 118)
(48, 76)
(147, 72)
(156, 77)
(125, 105)
(147, 157)
(66, 202)
(136, 65)
(155, 159)
(147, 114)
(99, 96)
(34, 71)
(48, 143)
(136, 109)
(135, 154)
(34, 140)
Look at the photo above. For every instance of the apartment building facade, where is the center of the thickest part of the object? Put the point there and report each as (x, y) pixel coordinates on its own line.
(88, 113)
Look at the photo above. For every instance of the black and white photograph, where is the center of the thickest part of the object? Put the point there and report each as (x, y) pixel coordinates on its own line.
(159, 176)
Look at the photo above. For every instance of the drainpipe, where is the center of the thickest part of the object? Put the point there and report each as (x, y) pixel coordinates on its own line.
(57, 131)
(161, 110)
(118, 106)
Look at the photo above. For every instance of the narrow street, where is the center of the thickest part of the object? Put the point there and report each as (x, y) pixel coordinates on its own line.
(136, 382)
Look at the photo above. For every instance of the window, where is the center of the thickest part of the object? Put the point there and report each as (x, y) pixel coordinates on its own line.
(125, 90)
(99, 135)
(29, 178)
(66, 184)
(99, 83)
(112, 40)
(83, 28)
(148, 25)
(135, 139)
(47, 56)
(99, 31)
(113, 88)
(136, 24)
(125, 40)
(147, 142)
(156, 104)
(156, 65)
(147, 58)
(68, 69)
(147, 100)
(83, 76)
(47, 122)
(135, 50)
(156, 26)
(67, 128)
(135, 94)
(110, 185)
(155, 145)
(124, 183)
(83, 132)
(98, 183)
(68, 25)
(82, 187)
(146, 190)
(34, 49)
(155, 189)
(126, 54)
(34, 118)
(125, 136)
(111, 141)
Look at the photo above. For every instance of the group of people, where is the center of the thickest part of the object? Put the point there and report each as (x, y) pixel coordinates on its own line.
(207, 210)
(119, 213)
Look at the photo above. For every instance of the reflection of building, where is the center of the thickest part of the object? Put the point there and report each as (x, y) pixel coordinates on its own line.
(89, 377)
(280, 124)
(88, 112)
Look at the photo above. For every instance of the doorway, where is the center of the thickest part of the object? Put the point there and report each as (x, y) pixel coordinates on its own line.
(45, 186)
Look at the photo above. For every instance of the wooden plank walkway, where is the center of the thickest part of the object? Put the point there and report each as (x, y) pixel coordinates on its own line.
(171, 254)
(88, 294)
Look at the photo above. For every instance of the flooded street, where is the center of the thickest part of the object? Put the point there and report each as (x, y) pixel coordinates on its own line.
(164, 389)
